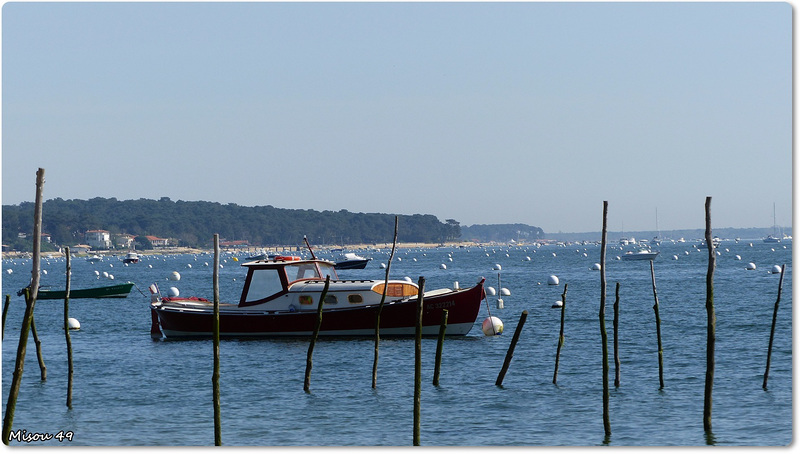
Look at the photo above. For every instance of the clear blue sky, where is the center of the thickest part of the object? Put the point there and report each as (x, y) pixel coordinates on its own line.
(485, 113)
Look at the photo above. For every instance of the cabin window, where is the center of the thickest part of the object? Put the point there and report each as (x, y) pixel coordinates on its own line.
(331, 299)
(355, 299)
(302, 271)
(306, 299)
(327, 269)
(263, 284)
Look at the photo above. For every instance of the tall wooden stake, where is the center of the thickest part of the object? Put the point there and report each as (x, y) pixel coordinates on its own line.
(658, 329)
(380, 309)
(418, 361)
(5, 311)
(38, 343)
(309, 364)
(602, 315)
(510, 352)
(560, 333)
(70, 368)
(772, 331)
(215, 328)
(27, 320)
(440, 347)
(712, 321)
(616, 339)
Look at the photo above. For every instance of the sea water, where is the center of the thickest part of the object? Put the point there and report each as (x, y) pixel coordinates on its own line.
(130, 390)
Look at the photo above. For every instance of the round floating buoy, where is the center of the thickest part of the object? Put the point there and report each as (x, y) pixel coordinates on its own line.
(596, 267)
(558, 303)
(383, 266)
(44, 272)
(674, 257)
(776, 269)
(491, 291)
(738, 257)
(443, 266)
(407, 279)
(492, 326)
(552, 280)
(9, 271)
(399, 259)
(527, 259)
(73, 323)
(505, 292)
(414, 259)
(175, 276)
(449, 259)
(188, 265)
(173, 292)
(236, 259)
(149, 266)
(751, 266)
(554, 254)
(96, 273)
(111, 276)
(497, 267)
(105, 274)
(205, 263)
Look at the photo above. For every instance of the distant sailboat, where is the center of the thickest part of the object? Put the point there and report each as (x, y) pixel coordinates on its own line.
(770, 238)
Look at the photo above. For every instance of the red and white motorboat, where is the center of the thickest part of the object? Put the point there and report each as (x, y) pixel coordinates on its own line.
(281, 295)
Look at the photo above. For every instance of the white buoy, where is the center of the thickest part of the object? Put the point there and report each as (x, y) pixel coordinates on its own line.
(176, 276)
(776, 269)
(491, 291)
(189, 265)
(738, 257)
(105, 274)
(596, 267)
(9, 271)
(111, 276)
(499, 303)
(552, 280)
(96, 273)
(505, 292)
(674, 257)
(751, 266)
(443, 266)
(497, 267)
(73, 323)
(558, 303)
(383, 266)
(407, 279)
(173, 292)
(455, 286)
(44, 272)
(527, 258)
(492, 326)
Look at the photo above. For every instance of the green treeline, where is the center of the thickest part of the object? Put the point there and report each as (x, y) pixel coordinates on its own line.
(193, 224)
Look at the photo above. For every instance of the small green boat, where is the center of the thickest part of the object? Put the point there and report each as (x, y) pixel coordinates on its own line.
(109, 291)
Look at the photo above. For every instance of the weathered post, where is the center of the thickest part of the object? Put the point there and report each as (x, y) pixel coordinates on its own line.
(38, 343)
(440, 347)
(560, 333)
(5, 311)
(215, 334)
(30, 303)
(602, 315)
(510, 353)
(418, 361)
(70, 369)
(309, 365)
(711, 323)
(772, 331)
(658, 329)
(616, 338)
(380, 309)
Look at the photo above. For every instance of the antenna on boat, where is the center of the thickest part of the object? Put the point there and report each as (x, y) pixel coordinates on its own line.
(309, 248)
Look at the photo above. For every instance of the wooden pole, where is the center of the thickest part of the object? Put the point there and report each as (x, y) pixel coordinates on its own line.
(38, 343)
(603, 335)
(560, 333)
(5, 311)
(510, 353)
(440, 347)
(380, 309)
(70, 368)
(772, 331)
(418, 361)
(616, 339)
(307, 383)
(30, 303)
(711, 323)
(658, 328)
(215, 329)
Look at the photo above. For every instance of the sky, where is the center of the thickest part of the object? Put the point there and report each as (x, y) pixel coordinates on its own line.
(485, 113)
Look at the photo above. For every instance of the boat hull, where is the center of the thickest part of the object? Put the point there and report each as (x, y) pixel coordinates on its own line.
(352, 264)
(111, 291)
(397, 319)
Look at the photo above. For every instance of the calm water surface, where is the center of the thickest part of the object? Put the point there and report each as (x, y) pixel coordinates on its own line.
(130, 390)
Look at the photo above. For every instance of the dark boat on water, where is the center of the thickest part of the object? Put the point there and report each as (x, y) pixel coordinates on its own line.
(352, 261)
(108, 291)
(281, 295)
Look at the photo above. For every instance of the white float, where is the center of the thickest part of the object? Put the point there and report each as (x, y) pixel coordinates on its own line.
(497, 267)
(751, 266)
(500, 303)
(491, 291)
(596, 267)
(173, 292)
(73, 323)
(505, 292)
(492, 326)
(776, 269)
(176, 276)
(443, 266)
(558, 303)
(552, 280)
